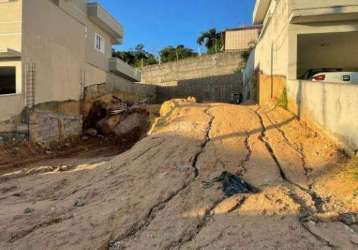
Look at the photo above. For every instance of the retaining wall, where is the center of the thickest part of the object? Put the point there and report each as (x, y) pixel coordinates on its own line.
(192, 68)
(221, 88)
(332, 106)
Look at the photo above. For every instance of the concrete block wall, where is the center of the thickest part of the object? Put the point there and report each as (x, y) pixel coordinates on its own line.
(192, 68)
(215, 89)
(126, 90)
(139, 90)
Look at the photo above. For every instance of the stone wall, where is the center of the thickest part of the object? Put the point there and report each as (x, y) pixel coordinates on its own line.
(49, 127)
(192, 68)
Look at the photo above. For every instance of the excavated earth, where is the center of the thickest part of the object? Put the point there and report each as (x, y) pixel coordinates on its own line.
(154, 195)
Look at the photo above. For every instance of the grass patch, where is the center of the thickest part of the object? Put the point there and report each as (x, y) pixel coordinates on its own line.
(355, 168)
(283, 100)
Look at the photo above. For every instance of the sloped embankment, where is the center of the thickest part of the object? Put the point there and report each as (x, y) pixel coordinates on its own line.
(155, 196)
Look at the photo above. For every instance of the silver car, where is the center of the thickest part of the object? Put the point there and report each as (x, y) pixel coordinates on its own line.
(334, 75)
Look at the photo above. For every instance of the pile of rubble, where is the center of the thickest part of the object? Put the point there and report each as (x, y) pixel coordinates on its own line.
(117, 119)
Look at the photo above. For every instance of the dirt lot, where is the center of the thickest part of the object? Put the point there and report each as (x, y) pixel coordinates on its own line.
(155, 195)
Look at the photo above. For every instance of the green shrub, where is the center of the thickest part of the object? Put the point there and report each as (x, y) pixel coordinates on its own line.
(283, 100)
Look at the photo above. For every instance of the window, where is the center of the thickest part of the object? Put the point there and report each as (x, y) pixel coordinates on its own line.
(7, 80)
(99, 43)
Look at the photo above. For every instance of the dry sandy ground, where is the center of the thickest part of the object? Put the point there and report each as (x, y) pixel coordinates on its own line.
(154, 195)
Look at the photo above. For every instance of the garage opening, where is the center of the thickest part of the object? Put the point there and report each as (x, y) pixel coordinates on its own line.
(327, 52)
(7, 80)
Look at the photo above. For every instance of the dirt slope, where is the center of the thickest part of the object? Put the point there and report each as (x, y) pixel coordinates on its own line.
(154, 196)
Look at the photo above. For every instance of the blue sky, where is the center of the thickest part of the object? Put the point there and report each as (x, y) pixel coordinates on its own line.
(159, 23)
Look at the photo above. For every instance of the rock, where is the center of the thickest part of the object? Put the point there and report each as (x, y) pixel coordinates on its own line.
(97, 112)
(191, 99)
(107, 125)
(327, 217)
(2, 141)
(228, 205)
(355, 228)
(28, 210)
(167, 107)
(91, 132)
(117, 107)
(78, 203)
(349, 218)
(64, 168)
(131, 123)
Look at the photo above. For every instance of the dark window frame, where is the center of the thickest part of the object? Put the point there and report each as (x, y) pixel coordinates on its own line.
(8, 81)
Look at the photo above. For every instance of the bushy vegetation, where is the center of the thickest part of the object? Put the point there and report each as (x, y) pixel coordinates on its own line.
(283, 100)
(171, 54)
(355, 173)
(138, 57)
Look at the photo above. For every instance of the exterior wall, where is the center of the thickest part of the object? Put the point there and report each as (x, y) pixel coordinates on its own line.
(94, 75)
(58, 38)
(193, 68)
(94, 57)
(240, 39)
(327, 51)
(308, 4)
(11, 25)
(277, 49)
(332, 106)
(329, 27)
(75, 8)
(10, 105)
(11, 37)
(249, 80)
(272, 53)
(62, 47)
(55, 43)
(278, 52)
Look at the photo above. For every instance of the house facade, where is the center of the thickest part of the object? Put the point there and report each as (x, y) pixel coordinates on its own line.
(240, 39)
(301, 35)
(51, 50)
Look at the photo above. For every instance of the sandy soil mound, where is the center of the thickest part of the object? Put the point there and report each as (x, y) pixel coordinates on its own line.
(155, 196)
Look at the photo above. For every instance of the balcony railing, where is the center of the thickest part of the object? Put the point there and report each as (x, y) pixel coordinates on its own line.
(117, 66)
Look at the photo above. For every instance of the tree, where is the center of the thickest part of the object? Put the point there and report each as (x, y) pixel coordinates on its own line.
(170, 53)
(212, 40)
(137, 57)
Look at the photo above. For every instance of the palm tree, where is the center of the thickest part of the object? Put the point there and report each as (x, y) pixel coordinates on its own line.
(211, 39)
